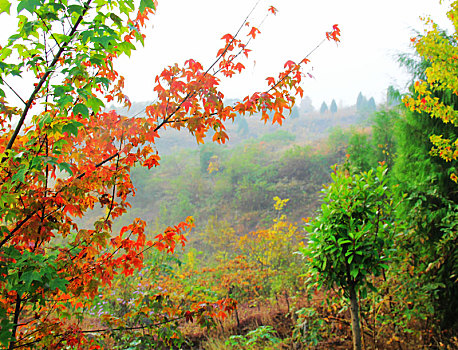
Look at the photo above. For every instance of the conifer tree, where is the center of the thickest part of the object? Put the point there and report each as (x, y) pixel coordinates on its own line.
(360, 102)
(323, 108)
(371, 106)
(333, 108)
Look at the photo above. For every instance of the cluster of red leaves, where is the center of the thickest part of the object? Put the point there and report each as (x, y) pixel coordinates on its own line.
(173, 235)
(204, 310)
(334, 34)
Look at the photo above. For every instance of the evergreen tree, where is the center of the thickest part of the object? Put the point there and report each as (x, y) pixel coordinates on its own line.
(432, 206)
(371, 106)
(323, 108)
(360, 102)
(333, 108)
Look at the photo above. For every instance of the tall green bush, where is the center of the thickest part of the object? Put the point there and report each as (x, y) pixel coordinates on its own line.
(351, 239)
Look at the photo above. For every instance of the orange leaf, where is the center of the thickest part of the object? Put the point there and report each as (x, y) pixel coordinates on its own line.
(273, 10)
(289, 64)
(227, 37)
(305, 61)
(253, 32)
(278, 118)
(239, 67)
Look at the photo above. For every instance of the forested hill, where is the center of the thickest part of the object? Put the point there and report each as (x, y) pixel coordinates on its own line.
(236, 182)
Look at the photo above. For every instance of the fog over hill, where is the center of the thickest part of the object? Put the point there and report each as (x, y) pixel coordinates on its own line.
(305, 122)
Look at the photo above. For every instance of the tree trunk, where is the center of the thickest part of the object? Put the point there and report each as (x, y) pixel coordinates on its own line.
(287, 299)
(355, 325)
(237, 318)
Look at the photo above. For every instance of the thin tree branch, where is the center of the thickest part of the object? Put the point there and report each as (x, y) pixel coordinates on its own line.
(107, 330)
(189, 95)
(49, 29)
(307, 56)
(44, 78)
(29, 216)
(17, 311)
(14, 91)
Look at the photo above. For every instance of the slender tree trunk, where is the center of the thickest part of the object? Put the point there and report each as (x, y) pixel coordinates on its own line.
(287, 299)
(17, 311)
(237, 318)
(221, 325)
(355, 324)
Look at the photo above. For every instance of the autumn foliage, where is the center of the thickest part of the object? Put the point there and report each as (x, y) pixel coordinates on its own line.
(436, 94)
(63, 154)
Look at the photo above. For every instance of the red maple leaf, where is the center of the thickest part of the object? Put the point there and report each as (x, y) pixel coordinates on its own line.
(273, 10)
(253, 32)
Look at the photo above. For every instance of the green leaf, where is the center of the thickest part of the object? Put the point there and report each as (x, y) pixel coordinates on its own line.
(126, 47)
(59, 283)
(29, 5)
(95, 104)
(116, 19)
(78, 9)
(61, 38)
(5, 331)
(29, 276)
(45, 119)
(372, 287)
(81, 109)
(104, 41)
(6, 52)
(104, 81)
(19, 175)
(64, 101)
(66, 167)
(71, 128)
(146, 3)
(58, 145)
(97, 59)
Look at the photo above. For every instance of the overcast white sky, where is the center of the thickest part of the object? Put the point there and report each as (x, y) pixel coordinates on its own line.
(373, 32)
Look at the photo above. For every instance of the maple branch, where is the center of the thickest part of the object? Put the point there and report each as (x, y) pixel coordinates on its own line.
(287, 75)
(98, 165)
(189, 95)
(136, 327)
(49, 29)
(17, 311)
(233, 38)
(218, 58)
(16, 228)
(109, 330)
(112, 198)
(14, 91)
(29, 216)
(45, 76)
(245, 45)
(114, 188)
